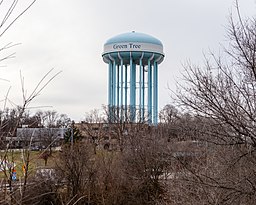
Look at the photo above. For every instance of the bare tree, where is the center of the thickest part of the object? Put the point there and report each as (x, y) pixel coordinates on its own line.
(94, 129)
(8, 155)
(78, 169)
(146, 162)
(222, 94)
(10, 12)
(168, 114)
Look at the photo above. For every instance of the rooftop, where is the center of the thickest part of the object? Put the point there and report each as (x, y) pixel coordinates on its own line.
(134, 37)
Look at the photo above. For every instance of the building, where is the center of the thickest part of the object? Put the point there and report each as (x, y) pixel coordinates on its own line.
(37, 137)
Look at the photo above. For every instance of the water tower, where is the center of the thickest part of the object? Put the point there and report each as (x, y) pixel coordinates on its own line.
(133, 60)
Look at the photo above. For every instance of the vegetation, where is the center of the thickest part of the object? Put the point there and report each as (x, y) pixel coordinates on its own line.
(201, 152)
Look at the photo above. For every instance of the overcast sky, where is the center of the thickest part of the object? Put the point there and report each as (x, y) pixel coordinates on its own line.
(68, 35)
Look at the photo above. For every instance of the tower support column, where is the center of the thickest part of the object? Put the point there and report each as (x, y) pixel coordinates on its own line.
(132, 89)
(126, 93)
(110, 84)
(143, 94)
(155, 94)
(150, 89)
(121, 88)
(110, 91)
(140, 88)
(114, 84)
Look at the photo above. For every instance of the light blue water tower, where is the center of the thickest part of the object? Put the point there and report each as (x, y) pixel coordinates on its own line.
(133, 60)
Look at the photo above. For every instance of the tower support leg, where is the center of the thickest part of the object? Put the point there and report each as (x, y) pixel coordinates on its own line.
(155, 94)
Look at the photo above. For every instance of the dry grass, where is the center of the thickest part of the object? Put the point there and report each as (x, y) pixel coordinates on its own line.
(35, 162)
